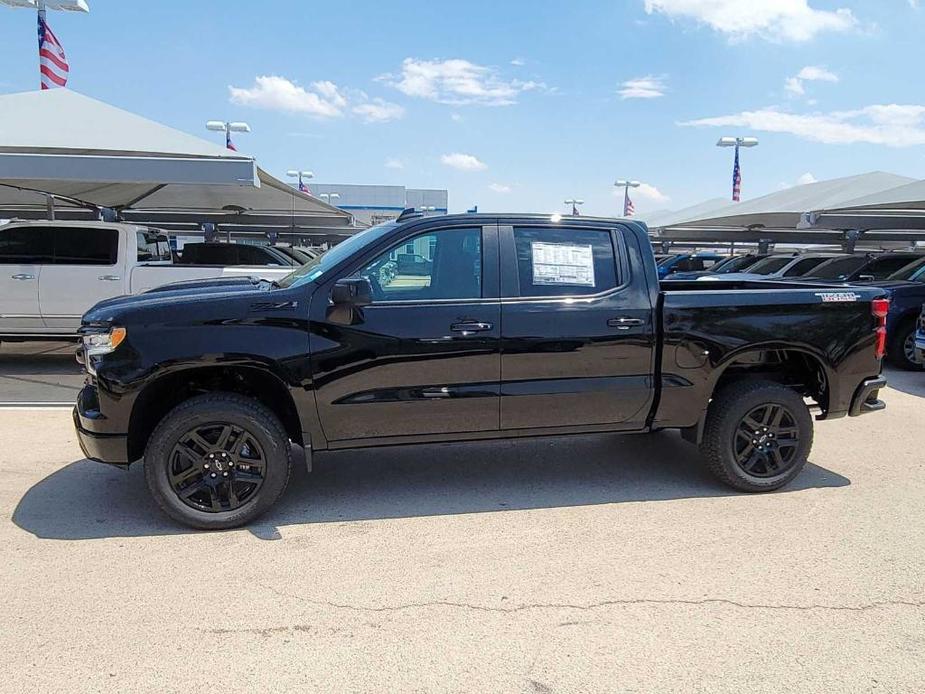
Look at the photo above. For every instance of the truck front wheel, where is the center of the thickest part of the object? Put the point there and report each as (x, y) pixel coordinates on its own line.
(758, 435)
(217, 461)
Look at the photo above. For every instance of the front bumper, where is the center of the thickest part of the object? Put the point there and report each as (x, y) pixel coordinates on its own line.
(93, 435)
(866, 398)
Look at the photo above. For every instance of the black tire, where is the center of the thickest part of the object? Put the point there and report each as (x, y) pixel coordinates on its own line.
(723, 448)
(899, 347)
(263, 432)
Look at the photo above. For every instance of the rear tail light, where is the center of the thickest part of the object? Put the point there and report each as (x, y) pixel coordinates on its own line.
(880, 308)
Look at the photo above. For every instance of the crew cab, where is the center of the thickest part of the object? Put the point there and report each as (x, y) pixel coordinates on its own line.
(52, 272)
(515, 326)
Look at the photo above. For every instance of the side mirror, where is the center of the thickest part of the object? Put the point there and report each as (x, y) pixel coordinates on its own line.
(352, 291)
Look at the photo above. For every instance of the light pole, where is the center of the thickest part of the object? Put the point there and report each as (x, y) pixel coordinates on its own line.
(628, 208)
(426, 208)
(329, 197)
(53, 66)
(228, 127)
(300, 174)
(736, 172)
(574, 202)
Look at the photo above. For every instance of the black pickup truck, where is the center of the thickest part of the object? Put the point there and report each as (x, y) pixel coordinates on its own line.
(509, 326)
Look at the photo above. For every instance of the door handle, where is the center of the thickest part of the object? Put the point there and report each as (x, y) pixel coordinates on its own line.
(22, 276)
(109, 278)
(470, 327)
(436, 393)
(624, 323)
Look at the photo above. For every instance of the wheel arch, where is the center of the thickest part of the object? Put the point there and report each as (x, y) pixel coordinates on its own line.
(161, 394)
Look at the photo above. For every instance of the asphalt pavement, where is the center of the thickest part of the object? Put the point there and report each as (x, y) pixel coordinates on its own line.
(588, 564)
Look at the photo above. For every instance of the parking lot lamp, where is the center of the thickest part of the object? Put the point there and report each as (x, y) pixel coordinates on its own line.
(302, 176)
(330, 197)
(628, 208)
(736, 171)
(228, 127)
(575, 203)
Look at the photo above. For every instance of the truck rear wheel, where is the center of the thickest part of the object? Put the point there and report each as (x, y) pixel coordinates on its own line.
(217, 461)
(758, 435)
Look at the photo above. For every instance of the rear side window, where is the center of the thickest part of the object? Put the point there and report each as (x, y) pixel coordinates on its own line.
(152, 247)
(564, 261)
(89, 246)
(26, 245)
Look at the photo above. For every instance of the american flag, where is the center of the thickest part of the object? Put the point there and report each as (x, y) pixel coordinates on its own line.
(736, 179)
(228, 143)
(304, 188)
(575, 209)
(628, 208)
(52, 61)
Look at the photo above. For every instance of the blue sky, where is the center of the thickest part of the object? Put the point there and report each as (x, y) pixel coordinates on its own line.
(516, 105)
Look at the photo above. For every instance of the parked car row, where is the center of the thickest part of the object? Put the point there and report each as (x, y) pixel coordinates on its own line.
(901, 274)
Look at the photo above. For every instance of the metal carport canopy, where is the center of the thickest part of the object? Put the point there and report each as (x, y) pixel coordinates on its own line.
(87, 153)
(783, 209)
(902, 207)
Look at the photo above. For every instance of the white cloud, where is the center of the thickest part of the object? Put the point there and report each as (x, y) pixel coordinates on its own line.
(500, 188)
(802, 180)
(648, 87)
(455, 117)
(810, 73)
(775, 20)
(645, 191)
(393, 163)
(518, 62)
(322, 99)
(379, 111)
(463, 162)
(279, 94)
(893, 125)
(457, 82)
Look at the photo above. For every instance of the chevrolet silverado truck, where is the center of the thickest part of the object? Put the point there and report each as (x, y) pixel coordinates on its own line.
(51, 272)
(510, 326)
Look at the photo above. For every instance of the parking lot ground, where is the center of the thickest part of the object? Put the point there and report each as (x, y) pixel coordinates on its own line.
(584, 564)
(38, 373)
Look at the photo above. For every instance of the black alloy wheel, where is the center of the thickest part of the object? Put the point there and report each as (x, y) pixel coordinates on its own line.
(216, 467)
(767, 441)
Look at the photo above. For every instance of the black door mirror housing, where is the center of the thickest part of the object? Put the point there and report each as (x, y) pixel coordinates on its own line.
(352, 291)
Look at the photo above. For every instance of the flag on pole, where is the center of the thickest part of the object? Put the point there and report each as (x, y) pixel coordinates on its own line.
(52, 61)
(736, 179)
(575, 209)
(628, 208)
(303, 187)
(228, 143)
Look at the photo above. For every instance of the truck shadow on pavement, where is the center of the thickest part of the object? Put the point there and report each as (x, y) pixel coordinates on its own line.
(86, 500)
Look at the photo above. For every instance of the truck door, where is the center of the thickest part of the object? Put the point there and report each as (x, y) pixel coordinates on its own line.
(577, 329)
(24, 252)
(86, 269)
(424, 357)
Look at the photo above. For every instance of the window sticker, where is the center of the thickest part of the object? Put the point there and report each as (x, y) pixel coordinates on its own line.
(562, 264)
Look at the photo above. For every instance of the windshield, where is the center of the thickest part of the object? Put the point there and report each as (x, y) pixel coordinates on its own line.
(314, 269)
(770, 265)
(839, 268)
(912, 271)
(665, 259)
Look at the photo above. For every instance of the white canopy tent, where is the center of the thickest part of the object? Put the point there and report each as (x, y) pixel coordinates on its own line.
(87, 155)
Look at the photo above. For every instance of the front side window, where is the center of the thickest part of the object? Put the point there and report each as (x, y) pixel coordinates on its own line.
(839, 268)
(881, 268)
(564, 261)
(445, 264)
(26, 245)
(769, 266)
(801, 267)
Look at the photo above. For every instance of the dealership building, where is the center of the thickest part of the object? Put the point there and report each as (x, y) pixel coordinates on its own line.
(372, 204)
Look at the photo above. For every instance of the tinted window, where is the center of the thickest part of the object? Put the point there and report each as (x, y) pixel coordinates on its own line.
(152, 246)
(202, 254)
(444, 264)
(75, 246)
(737, 264)
(769, 265)
(910, 271)
(26, 245)
(564, 262)
(254, 255)
(709, 263)
(882, 268)
(801, 267)
(839, 268)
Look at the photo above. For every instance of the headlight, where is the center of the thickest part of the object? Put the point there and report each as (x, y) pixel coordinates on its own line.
(97, 344)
